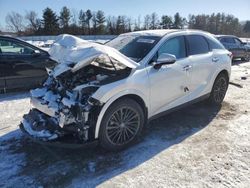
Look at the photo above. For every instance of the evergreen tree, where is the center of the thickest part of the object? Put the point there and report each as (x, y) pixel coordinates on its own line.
(100, 20)
(89, 16)
(120, 25)
(179, 22)
(83, 21)
(246, 27)
(166, 22)
(64, 18)
(50, 22)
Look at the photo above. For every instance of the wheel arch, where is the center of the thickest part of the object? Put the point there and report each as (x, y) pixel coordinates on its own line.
(225, 72)
(135, 96)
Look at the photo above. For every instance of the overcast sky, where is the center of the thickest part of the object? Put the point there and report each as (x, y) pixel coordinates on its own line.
(132, 8)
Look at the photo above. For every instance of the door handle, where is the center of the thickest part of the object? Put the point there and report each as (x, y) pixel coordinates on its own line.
(187, 67)
(215, 59)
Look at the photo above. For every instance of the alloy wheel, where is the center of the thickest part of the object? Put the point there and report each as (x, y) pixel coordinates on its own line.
(220, 89)
(123, 126)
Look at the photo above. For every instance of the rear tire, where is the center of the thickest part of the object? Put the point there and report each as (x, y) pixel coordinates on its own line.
(121, 125)
(219, 89)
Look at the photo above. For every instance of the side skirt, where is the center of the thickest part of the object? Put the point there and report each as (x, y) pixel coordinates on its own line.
(179, 107)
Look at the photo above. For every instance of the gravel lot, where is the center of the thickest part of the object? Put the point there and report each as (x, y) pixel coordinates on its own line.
(199, 146)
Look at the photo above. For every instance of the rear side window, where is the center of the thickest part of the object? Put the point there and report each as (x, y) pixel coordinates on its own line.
(214, 45)
(197, 45)
(237, 41)
(227, 40)
(174, 46)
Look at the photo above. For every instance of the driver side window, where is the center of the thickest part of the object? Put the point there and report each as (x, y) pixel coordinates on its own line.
(8, 47)
(175, 46)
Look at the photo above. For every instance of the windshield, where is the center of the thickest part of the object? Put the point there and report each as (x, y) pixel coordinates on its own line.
(133, 46)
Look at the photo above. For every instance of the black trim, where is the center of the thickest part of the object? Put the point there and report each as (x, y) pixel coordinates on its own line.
(179, 107)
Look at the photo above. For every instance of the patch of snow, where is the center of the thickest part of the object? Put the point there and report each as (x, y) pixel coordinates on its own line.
(38, 134)
(61, 68)
(39, 92)
(67, 102)
(50, 96)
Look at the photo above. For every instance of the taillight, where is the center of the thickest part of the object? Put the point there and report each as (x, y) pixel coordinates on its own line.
(230, 54)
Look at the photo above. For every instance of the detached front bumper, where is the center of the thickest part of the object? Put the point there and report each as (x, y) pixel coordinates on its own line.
(44, 130)
(41, 126)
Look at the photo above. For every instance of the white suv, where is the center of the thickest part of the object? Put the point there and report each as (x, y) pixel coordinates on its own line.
(107, 93)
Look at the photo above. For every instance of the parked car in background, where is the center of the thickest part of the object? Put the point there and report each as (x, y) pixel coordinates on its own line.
(106, 93)
(22, 65)
(238, 48)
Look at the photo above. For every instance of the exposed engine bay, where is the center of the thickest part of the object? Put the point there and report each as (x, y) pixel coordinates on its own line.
(64, 106)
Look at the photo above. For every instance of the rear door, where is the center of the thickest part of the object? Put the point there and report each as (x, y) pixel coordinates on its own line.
(232, 45)
(21, 66)
(241, 49)
(201, 61)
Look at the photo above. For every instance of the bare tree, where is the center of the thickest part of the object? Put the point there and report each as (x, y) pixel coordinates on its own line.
(75, 16)
(154, 24)
(147, 20)
(34, 22)
(14, 21)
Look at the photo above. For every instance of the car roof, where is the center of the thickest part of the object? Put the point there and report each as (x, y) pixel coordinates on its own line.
(220, 36)
(163, 32)
(12, 37)
(156, 32)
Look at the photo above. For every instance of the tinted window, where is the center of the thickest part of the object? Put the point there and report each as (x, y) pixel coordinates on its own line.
(237, 41)
(214, 44)
(8, 47)
(133, 46)
(197, 44)
(227, 40)
(174, 46)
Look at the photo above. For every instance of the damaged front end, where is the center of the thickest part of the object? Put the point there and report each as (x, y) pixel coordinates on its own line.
(64, 106)
(58, 112)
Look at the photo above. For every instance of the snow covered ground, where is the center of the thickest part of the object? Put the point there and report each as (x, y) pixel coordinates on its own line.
(199, 146)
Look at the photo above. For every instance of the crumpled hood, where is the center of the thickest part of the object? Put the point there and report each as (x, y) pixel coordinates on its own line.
(68, 50)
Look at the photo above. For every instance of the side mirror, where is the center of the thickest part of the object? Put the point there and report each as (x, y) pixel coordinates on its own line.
(36, 53)
(164, 59)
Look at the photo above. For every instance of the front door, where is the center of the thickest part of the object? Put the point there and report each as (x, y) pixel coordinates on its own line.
(169, 84)
(22, 68)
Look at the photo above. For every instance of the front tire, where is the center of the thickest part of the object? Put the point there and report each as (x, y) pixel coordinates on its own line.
(246, 58)
(219, 89)
(121, 125)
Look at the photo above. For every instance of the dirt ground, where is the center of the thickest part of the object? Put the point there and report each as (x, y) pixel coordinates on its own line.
(199, 146)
